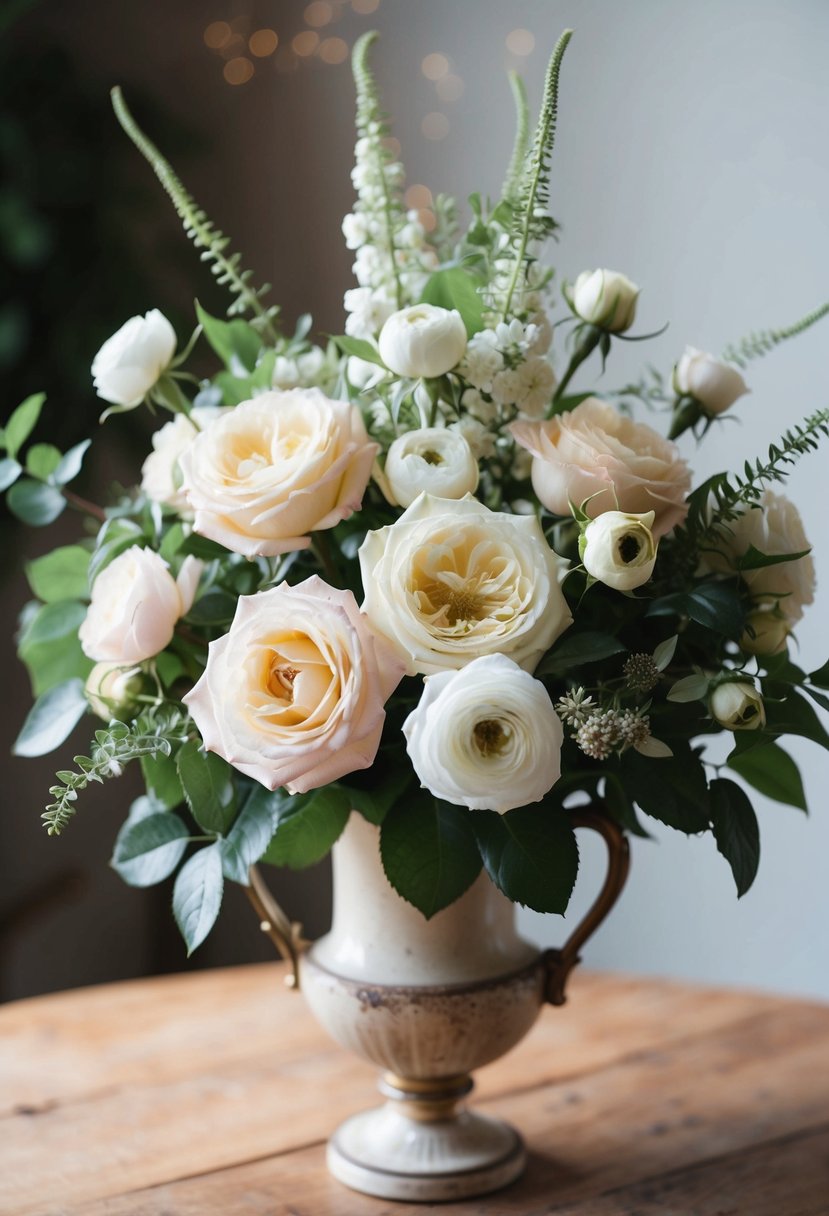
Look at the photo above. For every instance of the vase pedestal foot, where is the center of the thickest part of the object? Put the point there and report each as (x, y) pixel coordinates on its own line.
(418, 1147)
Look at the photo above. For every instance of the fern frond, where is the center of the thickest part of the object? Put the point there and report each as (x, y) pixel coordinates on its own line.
(204, 235)
(757, 344)
(512, 181)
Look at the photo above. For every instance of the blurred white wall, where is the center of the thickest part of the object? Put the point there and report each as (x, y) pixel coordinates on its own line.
(692, 154)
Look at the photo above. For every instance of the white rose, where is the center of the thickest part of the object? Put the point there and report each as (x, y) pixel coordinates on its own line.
(111, 689)
(767, 631)
(434, 459)
(450, 581)
(276, 468)
(715, 385)
(130, 362)
(135, 605)
(486, 737)
(737, 705)
(293, 694)
(605, 298)
(423, 340)
(160, 474)
(619, 550)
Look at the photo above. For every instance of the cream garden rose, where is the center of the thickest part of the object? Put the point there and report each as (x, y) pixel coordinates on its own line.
(135, 605)
(276, 468)
(423, 340)
(714, 384)
(618, 549)
(450, 581)
(595, 452)
(486, 737)
(435, 460)
(131, 362)
(293, 694)
(606, 299)
(160, 473)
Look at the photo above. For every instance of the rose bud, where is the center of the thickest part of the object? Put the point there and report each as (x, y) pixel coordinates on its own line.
(737, 705)
(423, 340)
(606, 299)
(713, 384)
(131, 362)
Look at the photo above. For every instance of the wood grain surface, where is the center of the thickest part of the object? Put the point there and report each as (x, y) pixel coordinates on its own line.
(212, 1094)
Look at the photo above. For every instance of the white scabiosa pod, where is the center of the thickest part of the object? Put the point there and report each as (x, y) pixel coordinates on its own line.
(618, 549)
(435, 460)
(131, 362)
(423, 340)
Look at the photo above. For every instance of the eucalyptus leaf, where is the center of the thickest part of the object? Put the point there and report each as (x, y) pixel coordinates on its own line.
(70, 463)
(149, 847)
(42, 459)
(10, 470)
(197, 895)
(772, 771)
(34, 502)
(51, 719)
(429, 852)
(531, 855)
(735, 831)
(22, 422)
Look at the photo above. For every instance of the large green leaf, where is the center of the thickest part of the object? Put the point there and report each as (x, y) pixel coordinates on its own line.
(452, 287)
(50, 648)
(162, 780)
(576, 649)
(307, 826)
(209, 787)
(251, 834)
(359, 348)
(375, 796)
(621, 806)
(771, 771)
(795, 716)
(149, 847)
(716, 605)
(735, 831)
(51, 719)
(754, 559)
(531, 854)
(197, 895)
(671, 789)
(60, 575)
(820, 678)
(232, 341)
(429, 852)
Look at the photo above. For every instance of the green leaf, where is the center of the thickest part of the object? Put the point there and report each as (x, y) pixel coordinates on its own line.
(42, 459)
(429, 852)
(531, 854)
(114, 537)
(209, 787)
(360, 348)
(149, 847)
(716, 605)
(197, 895)
(821, 677)
(671, 789)
(575, 649)
(60, 575)
(49, 645)
(22, 422)
(735, 831)
(232, 340)
(689, 688)
(51, 719)
(795, 716)
(621, 807)
(754, 559)
(308, 825)
(665, 652)
(819, 698)
(162, 780)
(234, 390)
(376, 800)
(35, 503)
(772, 771)
(215, 607)
(451, 288)
(70, 463)
(10, 470)
(251, 834)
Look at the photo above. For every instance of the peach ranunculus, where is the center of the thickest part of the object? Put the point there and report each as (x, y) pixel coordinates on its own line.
(293, 694)
(135, 605)
(596, 450)
(274, 469)
(451, 580)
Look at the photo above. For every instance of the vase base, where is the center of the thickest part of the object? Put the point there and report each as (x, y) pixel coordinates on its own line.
(385, 1153)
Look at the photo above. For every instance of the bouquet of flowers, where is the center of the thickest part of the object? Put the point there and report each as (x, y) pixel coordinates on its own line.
(410, 574)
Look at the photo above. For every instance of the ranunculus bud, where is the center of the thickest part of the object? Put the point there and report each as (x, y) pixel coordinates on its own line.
(131, 362)
(737, 705)
(713, 384)
(618, 549)
(434, 459)
(423, 340)
(767, 631)
(111, 689)
(606, 299)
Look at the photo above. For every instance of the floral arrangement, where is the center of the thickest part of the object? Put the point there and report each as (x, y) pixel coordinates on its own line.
(410, 574)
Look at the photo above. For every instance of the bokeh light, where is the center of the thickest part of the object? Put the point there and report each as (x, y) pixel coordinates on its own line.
(520, 42)
(449, 88)
(417, 197)
(364, 7)
(434, 66)
(238, 70)
(435, 125)
(305, 44)
(217, 34)
(318, 13)
(263, 43)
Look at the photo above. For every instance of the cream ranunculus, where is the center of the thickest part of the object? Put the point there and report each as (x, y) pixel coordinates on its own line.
(450, 581)
(111, 689)
(135, 605)
(596, 450)
(713, 384)
(618, 549)
(606, 299)
(737, 705)
(423, 340)
(274, 469)
(435, 460)
(486, 737)
(293, 694)
(160, 474)
(130, 363)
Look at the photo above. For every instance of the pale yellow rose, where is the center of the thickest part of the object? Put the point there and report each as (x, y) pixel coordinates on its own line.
(450, 581)
(595, 452)
(160, 473)
(293, 694)
(276, 468)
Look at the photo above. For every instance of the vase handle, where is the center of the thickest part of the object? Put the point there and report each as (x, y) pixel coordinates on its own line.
(559, 963)
(285, 934)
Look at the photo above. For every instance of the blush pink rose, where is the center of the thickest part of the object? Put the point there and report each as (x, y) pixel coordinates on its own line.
(596, 450)
(293, 694)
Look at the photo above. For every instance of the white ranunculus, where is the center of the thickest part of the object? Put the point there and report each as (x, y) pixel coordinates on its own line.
(135, 605)
(486, 737)
(433, 459)
(737, 705)
(450, 581)
(605, 298)
(293, 694)
(713, 384)
(423, 340)
(160, 474)
(276, 468)
(619, 550)
(130, 363)
(111, 689)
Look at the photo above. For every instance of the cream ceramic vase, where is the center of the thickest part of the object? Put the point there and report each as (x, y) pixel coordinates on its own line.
(428, 1002)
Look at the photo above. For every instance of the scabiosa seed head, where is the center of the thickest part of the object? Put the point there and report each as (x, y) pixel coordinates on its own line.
(641, 673)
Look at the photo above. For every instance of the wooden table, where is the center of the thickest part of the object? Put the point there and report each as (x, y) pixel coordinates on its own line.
(211, 1095)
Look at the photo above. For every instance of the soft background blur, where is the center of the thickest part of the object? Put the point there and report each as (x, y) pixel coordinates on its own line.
(691, 154)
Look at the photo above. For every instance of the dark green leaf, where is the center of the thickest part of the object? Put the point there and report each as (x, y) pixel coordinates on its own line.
(251, 834)
(149, 847)
(232, 340)
(429, 852)
(819, 698)
(22, 422)
(753, 559)
(453, 288)
(161, 779)
(114, 537)
(735, 831)
(771, 771)
(716, 605)
(197, 895)
(795, 716)
(821, 676)
(215, 607)
(209, 787)
(531, 854)
(70, 463)
(671, 789)
(375, 801)
(10, 470)
(49, 645)
(34, 503)
(575, 649)
(360, 348)
(60, 575)
(621, 806)
(308, 825)
(42, 459)
(51, 719)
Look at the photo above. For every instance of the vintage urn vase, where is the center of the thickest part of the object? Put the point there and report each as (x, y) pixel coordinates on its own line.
(427, 1002)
